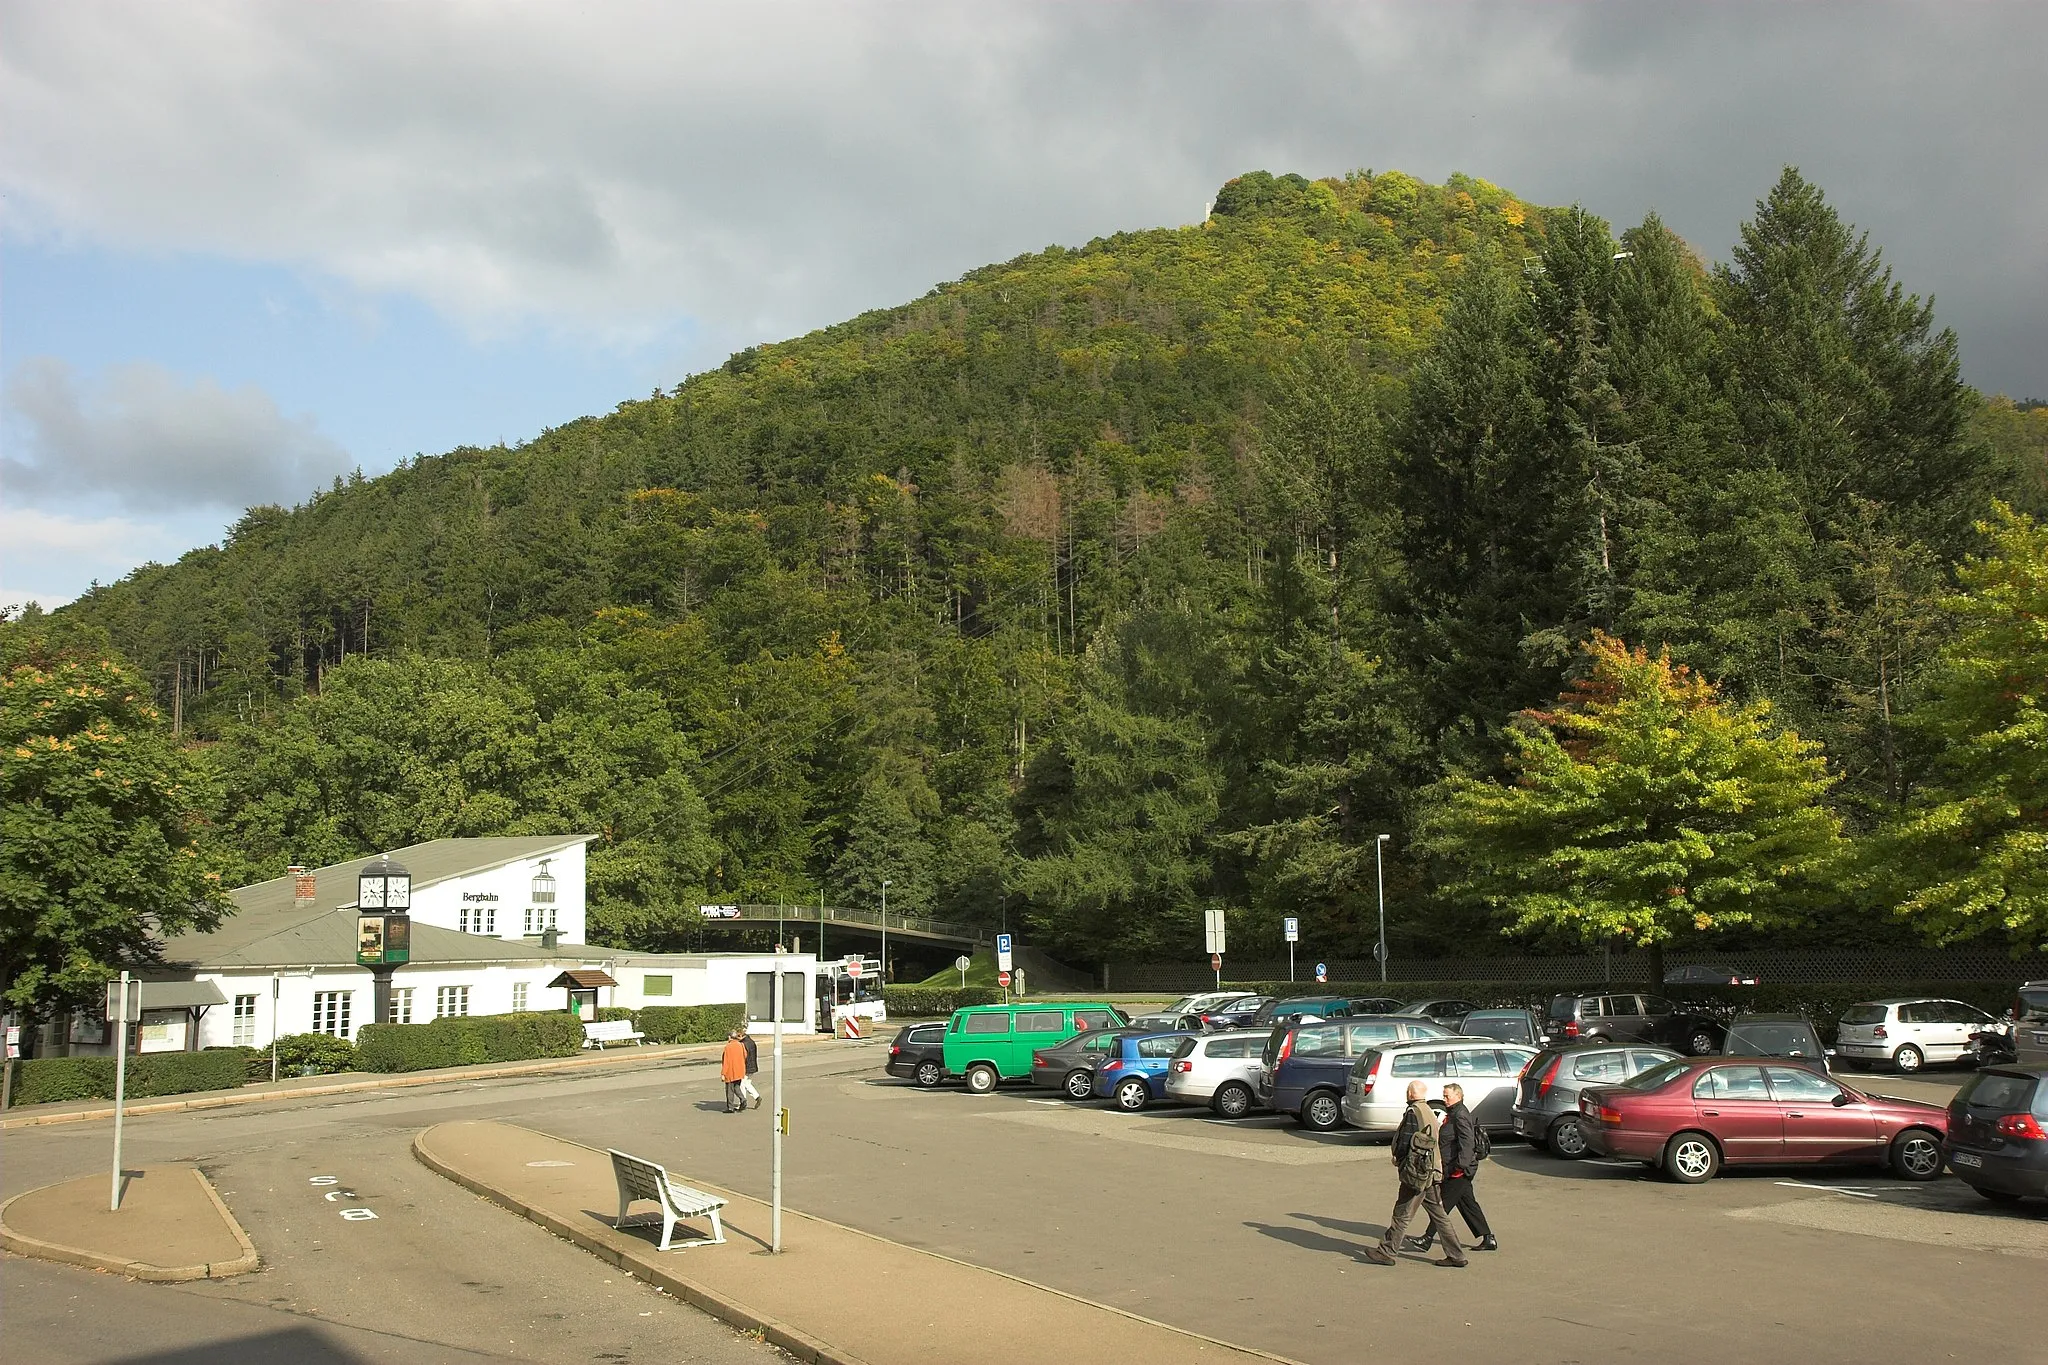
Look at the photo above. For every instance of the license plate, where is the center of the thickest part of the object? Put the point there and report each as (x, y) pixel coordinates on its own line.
(1521, 1124)
(1965, 1159)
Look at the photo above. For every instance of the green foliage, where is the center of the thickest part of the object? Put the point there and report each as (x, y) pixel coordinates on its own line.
(1971, 850)
(1642, 809)
(467, 1041)
(103, 838)
(312, 1054)
(688, 1023)
(47, 1080)
(928, 1002)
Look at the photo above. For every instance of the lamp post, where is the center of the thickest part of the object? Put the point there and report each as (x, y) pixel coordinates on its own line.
(1379, 848)
(885, 935)
(383, 927)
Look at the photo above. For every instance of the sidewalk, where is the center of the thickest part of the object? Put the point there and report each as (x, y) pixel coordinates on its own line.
(835, 1295)
(346, 1082)
(171, 1226)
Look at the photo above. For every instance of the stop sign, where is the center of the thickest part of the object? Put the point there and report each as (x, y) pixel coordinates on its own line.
(1002, 978)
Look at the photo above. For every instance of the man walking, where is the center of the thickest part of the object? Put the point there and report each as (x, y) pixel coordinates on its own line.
(749, 1094)
(732, 1068)
(1421, 1167)
(1461, 1157)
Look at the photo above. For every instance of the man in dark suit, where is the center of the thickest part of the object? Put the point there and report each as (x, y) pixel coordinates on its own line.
(1461, 1160)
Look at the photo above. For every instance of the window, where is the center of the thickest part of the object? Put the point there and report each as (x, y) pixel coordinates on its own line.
(1567, 1007)
(1101, 1042)
(331, 1013)
(1319, 1040)
(1232, 1047)
(1600, 1068)
(998, 1022)
(1407, 1064)
(401, 1006)
(1087, 1019)
(1620, 1007)
(1731, 1083)
(1473, 1061)
(245, 1021)
(1865, 1014)
(1913, 1014)
(650, 984)
(1042, 1021)
(1959, 1013)
(2033, 1004)
(518, 996)
(1364, 1036)
(1655, 1004)
(1794, 1083)
(451, 1001)
(1642, 1061)
(1158, 1047)
(477, 919)
(539, 918)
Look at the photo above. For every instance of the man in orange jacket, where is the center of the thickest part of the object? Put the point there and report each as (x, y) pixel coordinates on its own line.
(733, 1068)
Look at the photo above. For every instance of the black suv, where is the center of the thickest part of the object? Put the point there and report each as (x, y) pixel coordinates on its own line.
(919, 1054)
(1608, 1014)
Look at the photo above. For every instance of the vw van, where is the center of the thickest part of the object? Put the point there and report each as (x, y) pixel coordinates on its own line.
(991, 1043)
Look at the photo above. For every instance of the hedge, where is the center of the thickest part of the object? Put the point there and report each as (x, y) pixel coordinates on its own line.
(311, 1054)
(916, 1001)
(45, 1080)
(466, 1040)
(688, 1023)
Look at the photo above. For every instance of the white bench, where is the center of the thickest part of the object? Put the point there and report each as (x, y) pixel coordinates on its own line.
(611, 1031)
(644, 1180)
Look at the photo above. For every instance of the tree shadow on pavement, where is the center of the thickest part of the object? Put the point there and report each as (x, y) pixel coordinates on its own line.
(293, 1346)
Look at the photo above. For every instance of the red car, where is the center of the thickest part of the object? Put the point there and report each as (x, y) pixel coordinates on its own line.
(1689, 1117)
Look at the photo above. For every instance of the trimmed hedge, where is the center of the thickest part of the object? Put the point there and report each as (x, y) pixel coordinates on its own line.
(311, 1054)
(467, 1040)
(688, 1023)
(916, 1001)
(46, 1080)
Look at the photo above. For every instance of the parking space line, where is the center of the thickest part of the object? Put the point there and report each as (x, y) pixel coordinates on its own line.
(1831, 1189)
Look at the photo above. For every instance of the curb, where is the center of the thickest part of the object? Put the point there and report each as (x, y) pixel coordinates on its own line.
(799, 1344)
(22, 1245)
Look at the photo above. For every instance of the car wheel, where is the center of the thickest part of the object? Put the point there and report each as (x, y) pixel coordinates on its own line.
(1691, 1158)
(1909, 1059)
(1320, 1112)
(981, 1079)
(1131, 1095)
(1997, 1196)
(1233, 1101)
(1080, 1085)
(929, 1074)
(1702, 1043)
(1566, 1139)
(1916, 1155)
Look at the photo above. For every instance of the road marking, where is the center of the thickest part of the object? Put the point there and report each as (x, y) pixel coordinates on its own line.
(357, 1215)
(1831, 1189)
(1054, 1103)
(325, 1180)
(1622, 1164)
(551, 1163)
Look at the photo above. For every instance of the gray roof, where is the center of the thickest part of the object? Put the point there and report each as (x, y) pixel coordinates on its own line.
(271, 929)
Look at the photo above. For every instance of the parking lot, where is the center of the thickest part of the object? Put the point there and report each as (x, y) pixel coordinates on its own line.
(1247, 1231)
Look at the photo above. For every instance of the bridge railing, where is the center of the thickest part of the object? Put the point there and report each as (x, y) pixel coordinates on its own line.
(860, 915)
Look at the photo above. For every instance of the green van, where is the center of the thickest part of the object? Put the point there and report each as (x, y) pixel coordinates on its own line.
(986, 1043)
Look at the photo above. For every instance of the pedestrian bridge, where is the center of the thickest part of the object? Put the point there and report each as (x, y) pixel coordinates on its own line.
(914, 928)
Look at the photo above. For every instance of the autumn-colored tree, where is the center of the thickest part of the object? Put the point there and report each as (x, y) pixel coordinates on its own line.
(1642, 808)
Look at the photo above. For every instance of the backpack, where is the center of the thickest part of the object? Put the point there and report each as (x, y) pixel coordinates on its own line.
(1482, 1145)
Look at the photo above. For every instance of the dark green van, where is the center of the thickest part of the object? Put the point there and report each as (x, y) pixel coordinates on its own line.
(986, 1043)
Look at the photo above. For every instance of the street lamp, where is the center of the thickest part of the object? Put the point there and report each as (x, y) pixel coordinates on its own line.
(885, 935)
(1379, 861)
(383, 927)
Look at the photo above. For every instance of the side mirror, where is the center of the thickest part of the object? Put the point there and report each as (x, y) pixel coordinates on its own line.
(1842, 1098)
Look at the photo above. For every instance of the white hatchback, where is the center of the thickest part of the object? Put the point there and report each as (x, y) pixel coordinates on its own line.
(1220, 1070)
(1907, 1033)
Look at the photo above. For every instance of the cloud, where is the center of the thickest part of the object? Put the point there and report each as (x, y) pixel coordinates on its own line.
(49, 557)
(145, 439)
(768, 168)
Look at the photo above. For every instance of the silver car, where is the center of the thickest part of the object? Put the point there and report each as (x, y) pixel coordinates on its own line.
(1547, 1095)
(1377, 1093)
(1907, 1033)
(1220, 1070)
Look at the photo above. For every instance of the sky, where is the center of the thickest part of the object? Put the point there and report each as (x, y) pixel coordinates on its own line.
(248, 247)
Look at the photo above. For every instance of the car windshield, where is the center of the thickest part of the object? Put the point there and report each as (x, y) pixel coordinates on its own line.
(1863, 1014)
(1772, 1040)
(1657, 1077)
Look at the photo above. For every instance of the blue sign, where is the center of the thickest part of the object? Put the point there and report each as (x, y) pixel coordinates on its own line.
(1322, 971)
(1003, 963)
(1002, 943)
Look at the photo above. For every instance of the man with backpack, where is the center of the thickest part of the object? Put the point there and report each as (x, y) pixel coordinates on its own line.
(1421, 1166)
(1465, 1145)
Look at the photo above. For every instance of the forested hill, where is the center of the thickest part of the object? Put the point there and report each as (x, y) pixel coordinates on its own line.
(1106, 584)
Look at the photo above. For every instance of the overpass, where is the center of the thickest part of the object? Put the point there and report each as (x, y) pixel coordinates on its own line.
(815, 919)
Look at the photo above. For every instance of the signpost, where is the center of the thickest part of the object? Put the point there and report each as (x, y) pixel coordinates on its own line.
(960, 965)
(1003, 965)
(1213, 930)
(781, 1114)
(1003, 980)
(124, 1007)
(1322, 972)
(1292, 928)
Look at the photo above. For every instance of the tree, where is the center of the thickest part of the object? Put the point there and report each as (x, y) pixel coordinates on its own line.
(1970, 855)
(1642, 808)
(104, 845)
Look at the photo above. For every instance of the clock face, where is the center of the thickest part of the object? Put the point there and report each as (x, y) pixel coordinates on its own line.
(370, 893)
(398, 893)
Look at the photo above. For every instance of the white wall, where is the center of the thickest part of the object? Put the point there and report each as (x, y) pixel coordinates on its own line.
(707, 979)
(509, 889)
(490, 992)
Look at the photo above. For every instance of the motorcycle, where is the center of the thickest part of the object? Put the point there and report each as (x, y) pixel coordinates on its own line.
(1992, 1046)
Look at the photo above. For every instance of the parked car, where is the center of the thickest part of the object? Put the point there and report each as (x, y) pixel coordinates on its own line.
(1776, 1035)
(1707, 974)
(919, 1054)
(1376, 1091)
(1239, 1013)
(1204, 1002)
(1303, 1067)
(1134, 1073)
(1069, 1067)
(1908, 1033)
(1503, 1026)
(1376, 1004)
(1606, 1014)
(2030, 1024)
(1278, 1011)
(1689, 1118)
(1547, 1092)
(1444, 1011)
(1168, 1023)
(1220, 1070)
(1998, 1132)
(989, 1043)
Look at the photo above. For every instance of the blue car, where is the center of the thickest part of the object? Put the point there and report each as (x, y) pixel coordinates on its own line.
(1135, 1074)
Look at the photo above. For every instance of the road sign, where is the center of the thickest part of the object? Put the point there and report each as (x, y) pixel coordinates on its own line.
(1322, 971)
(1292, 928)
(853, 969)
(1003, 979)
(129, 1012)
(1212, 925)
(1379, 951)
(962, 963)
(1215, 962)
(1003, 953)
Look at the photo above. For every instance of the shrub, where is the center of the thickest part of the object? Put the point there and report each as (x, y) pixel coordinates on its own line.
(45, 1080)
(467, 1040)
(912, 1002)
(311, 1054)
(608, 1013)
(689, 1023)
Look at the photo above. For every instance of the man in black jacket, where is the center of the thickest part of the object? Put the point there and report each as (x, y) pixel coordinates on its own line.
(752, 1094)
(1461, 1162)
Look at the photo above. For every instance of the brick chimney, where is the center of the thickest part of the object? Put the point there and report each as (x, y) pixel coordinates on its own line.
(302, 885)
